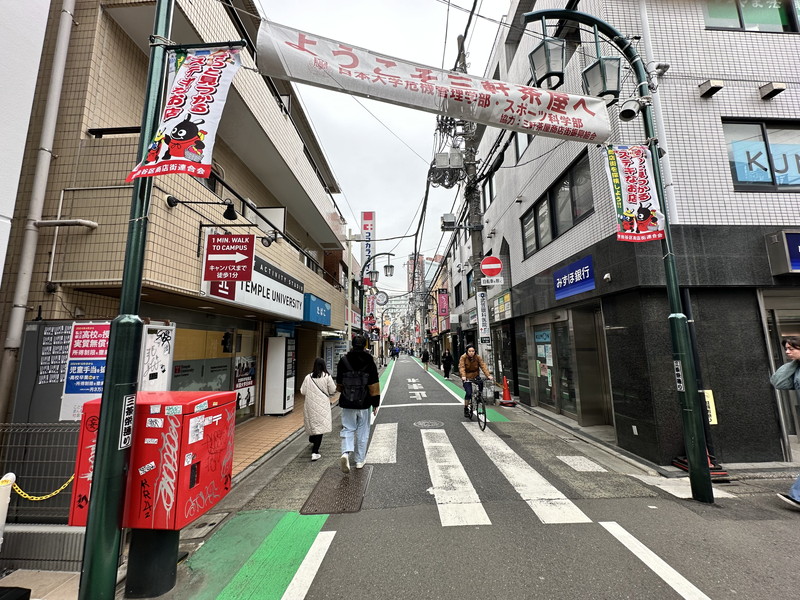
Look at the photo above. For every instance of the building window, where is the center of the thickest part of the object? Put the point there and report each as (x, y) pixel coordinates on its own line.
(561, 207)
(528, 234)
(457, 293)
(748, 15)
(488, 192)
(763, 156)
(212, 182)
(471, 284)
(521, 143)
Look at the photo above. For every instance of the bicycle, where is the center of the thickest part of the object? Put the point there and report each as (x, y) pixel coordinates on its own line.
(476, 405)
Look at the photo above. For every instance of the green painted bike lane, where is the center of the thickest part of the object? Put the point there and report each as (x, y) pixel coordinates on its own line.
(491, 414)
(255, 555)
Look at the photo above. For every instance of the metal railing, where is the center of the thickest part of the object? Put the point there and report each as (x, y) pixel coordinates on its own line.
(42, 456)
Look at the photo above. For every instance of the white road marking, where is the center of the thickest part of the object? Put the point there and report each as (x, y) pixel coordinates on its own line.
(582, 464)
(680, 487)
(421, 404)
(298, 587)
(550, 505)
(383, 445)
(456, 498)
(655, 563)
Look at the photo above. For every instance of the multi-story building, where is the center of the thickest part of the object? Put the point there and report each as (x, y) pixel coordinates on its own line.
(268, 167)
(726, 77)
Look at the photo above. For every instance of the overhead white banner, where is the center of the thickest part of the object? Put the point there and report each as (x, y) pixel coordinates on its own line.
(287, 53)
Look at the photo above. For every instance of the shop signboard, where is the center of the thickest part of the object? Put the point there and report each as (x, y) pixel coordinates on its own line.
(316, 310)
(270, 290)
(575, 278)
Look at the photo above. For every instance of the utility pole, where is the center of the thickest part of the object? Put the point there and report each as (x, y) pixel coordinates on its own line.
(472, 197)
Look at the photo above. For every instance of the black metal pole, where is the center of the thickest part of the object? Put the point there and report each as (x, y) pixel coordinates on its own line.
(104, 525)
(682, 352)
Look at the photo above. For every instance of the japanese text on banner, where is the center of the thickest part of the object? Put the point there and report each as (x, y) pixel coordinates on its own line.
(184, 141)
(287, 53)
(630, 174)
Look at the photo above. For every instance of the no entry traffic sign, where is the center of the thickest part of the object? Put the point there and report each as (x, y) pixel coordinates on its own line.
(229, 258)
(491, 266)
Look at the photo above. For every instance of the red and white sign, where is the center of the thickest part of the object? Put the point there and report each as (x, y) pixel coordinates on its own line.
(287, 53)
(229, 258)
(199, 82)
(367, 242)
(491, 266)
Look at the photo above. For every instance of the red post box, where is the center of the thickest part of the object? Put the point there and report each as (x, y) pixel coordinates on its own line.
(181, 459)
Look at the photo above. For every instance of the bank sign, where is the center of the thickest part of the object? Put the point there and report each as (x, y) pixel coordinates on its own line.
(270, 291)
(575, 278)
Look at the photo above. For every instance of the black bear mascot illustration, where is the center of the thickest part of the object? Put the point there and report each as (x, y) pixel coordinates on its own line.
(185, 141)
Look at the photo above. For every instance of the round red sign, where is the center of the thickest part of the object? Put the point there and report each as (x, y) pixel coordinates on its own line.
(491, 266)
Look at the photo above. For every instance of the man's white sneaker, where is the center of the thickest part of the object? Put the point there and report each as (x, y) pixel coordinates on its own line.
(360, 465)
(789, 500)
(315, 456)
(344, 462)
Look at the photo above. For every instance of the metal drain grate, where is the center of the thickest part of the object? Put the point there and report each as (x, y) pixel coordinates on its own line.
(337, 492)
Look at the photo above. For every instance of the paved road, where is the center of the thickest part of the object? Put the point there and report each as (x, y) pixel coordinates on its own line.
(521, 510)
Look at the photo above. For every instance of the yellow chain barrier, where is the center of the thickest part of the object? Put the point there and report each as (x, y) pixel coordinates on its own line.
(27, 496)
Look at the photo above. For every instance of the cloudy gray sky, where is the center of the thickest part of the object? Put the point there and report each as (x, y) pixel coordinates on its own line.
(380, 153)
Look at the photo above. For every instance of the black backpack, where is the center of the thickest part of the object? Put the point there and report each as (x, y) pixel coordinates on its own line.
(354, 387)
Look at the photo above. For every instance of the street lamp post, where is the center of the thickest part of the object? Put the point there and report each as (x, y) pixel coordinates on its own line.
(682, 353)
(388, 271)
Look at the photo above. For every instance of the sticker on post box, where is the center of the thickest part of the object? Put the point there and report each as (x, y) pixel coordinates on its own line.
(151, 422)
(201, 407)
(196, 427)
(173, 410)
(187, 460)
(150, 440)
(148, 467)
(155, 409)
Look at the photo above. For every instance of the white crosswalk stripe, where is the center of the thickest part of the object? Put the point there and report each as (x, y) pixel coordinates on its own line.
(550, 505)
(582, 464)
(456, 498)
(383, 445)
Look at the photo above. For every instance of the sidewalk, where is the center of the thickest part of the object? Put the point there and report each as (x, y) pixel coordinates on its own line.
(256, 441)
(260, 440)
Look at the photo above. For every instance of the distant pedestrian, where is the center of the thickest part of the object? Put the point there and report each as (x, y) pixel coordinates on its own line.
(357, 380)
(425, 358)
(318, 387)
(447, 363)
(787, 377)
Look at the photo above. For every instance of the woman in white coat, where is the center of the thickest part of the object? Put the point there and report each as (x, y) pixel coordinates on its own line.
(318, 387)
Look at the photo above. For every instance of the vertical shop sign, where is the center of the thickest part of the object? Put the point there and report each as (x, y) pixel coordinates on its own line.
(368, 241)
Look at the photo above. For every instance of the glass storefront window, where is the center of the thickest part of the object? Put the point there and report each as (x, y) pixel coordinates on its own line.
(566, 379)
(545, 386)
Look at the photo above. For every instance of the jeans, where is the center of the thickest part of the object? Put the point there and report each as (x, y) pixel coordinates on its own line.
(468, 389)
(795, 491)
(355, 432)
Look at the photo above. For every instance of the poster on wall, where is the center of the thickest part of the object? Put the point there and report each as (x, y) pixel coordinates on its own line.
(244, 377)
(156, 361)
(86, 367)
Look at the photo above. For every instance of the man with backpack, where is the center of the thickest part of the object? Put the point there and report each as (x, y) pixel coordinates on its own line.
(357, 380)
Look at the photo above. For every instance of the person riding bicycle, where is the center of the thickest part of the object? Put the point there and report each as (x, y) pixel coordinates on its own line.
(469, 367)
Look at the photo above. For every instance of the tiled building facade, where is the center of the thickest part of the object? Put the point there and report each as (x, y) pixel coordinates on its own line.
(267, 162)
(603, 357)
